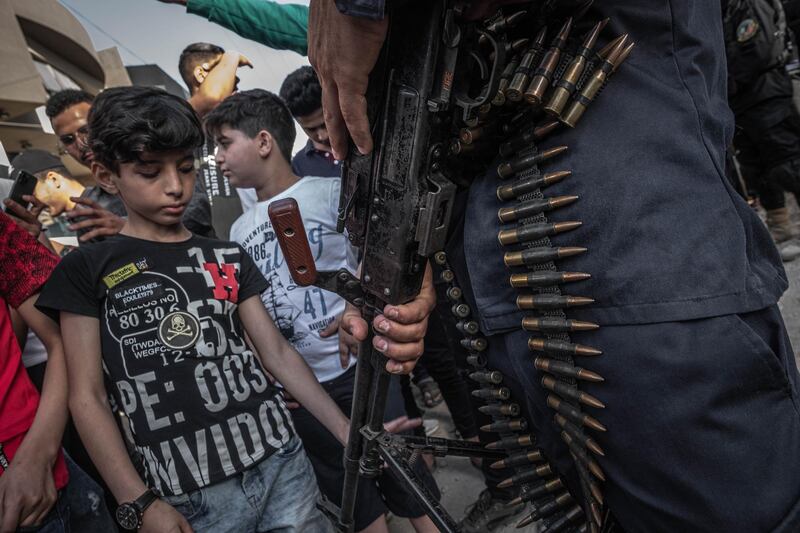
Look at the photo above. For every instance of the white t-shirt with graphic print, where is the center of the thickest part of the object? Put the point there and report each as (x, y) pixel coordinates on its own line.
(302, 312)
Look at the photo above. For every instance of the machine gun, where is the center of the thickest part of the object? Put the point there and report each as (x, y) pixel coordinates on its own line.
(396, 205)
(446, 97)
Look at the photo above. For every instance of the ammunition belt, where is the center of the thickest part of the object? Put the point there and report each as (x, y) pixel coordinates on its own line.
(542, 89)
(540, 485)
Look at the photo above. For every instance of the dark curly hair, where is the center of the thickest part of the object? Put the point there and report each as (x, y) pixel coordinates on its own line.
(67, 98)
(253, 111)
(302, 92)
(126, 121)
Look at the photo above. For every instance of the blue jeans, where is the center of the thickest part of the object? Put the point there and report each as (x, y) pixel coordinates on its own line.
(279, 495)
(56, 521)
(87, 503)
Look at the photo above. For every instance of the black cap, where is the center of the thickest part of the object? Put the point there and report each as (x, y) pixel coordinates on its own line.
(35, 161)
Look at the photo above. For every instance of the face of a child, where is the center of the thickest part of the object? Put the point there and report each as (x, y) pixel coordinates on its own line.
(238, 157)
(54, 189)
(314, 126)
(157, 188)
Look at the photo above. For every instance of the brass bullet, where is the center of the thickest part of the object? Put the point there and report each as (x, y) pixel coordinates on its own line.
(506, 426)
(540, 255)
(503, 24)
(550, 301)
(499, 410)
(511, 443)
(623, 56)
(527, 476)
(454, 294)
(564, 521)
(559, 347)
(524, 71)
(529, 494)
(468, 327)
(582, 456)
(502, 393)
(528, 138)
(593, 85)
(544, 73)
(458, 148)
(574, 414)
(533, 207)
(563, 369)
(550, 324)
(578, 434)
(597, 515)
(518, 459)
(461, 310)
(565, 87)
(505, 79)
(477, 360)
(528, 520)
(505, 170)
(534, 232)
(545, 279)
(476, 345)
(493, 378)
(550, 507)
(447, 276)
(603, 53)
(470, 135)
(571, 392)
(515, 190)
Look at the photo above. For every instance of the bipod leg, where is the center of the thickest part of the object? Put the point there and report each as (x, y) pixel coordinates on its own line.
(362, 389)
(371, 462)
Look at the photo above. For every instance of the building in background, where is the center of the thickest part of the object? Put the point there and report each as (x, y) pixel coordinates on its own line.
(44, 49)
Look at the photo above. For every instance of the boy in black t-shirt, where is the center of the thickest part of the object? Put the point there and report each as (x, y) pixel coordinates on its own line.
(162, 314)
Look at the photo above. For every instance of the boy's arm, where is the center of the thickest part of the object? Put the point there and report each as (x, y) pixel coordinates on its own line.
(27, 490)
(219, 84)
(289, 368)
(88, 402)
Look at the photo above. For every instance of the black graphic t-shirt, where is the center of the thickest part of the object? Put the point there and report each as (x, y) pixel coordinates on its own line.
(200, 404)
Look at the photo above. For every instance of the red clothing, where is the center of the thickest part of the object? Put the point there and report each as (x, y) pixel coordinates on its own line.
(24, 267)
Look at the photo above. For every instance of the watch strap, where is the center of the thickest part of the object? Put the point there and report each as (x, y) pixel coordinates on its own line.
(144, 501)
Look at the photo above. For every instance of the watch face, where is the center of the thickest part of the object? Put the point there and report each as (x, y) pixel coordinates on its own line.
(127, 517)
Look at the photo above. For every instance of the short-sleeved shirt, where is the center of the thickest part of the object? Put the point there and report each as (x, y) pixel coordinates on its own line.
(312, 162)
(301, 313)
(199, 402)
(24, 267)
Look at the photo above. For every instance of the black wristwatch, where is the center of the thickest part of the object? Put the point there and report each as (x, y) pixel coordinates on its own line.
(129, 515)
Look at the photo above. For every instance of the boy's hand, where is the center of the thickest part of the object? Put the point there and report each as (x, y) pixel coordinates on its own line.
(161, 517)
(400, 330)
(244, 62)
(27, 219)
(27, 492)
(347, 343)
(102, 221)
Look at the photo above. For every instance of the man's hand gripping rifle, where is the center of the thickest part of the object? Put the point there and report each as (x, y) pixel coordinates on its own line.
(395, 205)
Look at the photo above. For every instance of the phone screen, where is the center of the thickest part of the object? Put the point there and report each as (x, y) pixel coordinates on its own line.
(24, 184)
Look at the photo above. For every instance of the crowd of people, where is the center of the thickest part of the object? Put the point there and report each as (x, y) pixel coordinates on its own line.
(161, 371)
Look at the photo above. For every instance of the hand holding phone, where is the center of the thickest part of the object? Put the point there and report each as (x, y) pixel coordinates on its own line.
(24, 185)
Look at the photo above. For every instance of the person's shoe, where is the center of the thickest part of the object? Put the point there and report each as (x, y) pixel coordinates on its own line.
(789, 250)
(779, 224)
(488, 513)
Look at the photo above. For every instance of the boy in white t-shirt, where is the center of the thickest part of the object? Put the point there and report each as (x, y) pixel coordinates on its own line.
(254, 135)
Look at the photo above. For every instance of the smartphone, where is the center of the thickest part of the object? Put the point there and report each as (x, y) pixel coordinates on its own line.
(24, 184)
